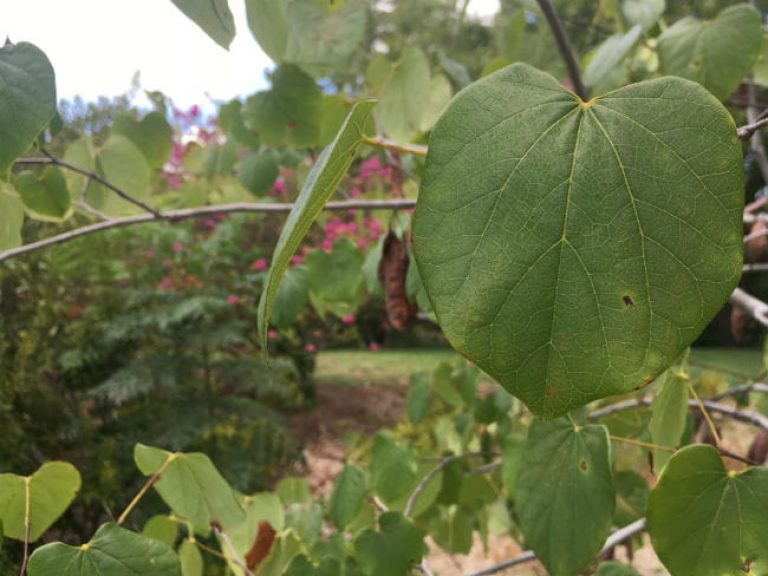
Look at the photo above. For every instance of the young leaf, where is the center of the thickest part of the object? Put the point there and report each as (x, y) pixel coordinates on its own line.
(152, 135)
(525, 183)
(393, 468)
(213, 16)
(123, 165)
(161, 527)
(643, 12)
(319, 186)
(38, 499)
(291, 297)
(393, 549)
(417, 400)
(191, 486)
(609, 54)
(28, 97)
(564, 493)
(717, 54)
(668, 414)
(347, 496)
(47, 197)
(258, 172)
(112, 551)
(190, 559)
(11, 217)
(706, 521)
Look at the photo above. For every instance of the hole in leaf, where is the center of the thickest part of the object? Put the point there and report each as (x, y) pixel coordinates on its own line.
(627, 299)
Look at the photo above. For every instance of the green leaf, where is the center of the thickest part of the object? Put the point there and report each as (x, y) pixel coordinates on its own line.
(564, 495)
(161, 528)
(669, 411)
(524, 183)
(452, 529)
(320, 184)
(286, 548)
(191, 486)
(347, 496)
(11, 217)
(46, 494)
(190, 559)
(291, 298)
(261, 507)
(27, 99)
(717, 53)
(322, 42)
(47, 197)
(288, 114)
(123, 165)
(499, 520)
(268, 22)
(706, 521)
(258, 172)
(152, 136)
(615, 569)
(440, 93)
(609, 55)
(631, 497)
(393, 549)
(232, 124)
(112, 551)
(293, 491)
(393, 468)
(405, 96)
(340, 292)
(213, 16)
(417, 400)
(643, 12)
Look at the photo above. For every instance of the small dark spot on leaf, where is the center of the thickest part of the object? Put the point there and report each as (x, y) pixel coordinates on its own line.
(627, 299)
(291, 125)
(696, 64)
(583, 465)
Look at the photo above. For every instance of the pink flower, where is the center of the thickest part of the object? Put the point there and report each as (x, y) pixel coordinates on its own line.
(165, 284)
(167, 263)
(278, 188)
(326, 245)
(149, 255)
(310, 348)
(233, 299)
(208, 223)
(178, 247)
(373, 347)
(296, 259)
(260, 265)
(194, 112)
(349, 319)
(354, 192)
(362, 243)
(272, 334)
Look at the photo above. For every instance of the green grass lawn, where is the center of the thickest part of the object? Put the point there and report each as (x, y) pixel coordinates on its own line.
(390, 367)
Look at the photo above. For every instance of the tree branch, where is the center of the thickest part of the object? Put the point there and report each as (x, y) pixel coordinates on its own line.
(415, 149)
(52, 161)
(564, 45)
(619, 536)
(187, 213)
(757, 309)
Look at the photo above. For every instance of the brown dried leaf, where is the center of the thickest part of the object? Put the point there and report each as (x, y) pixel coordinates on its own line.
(265, 537)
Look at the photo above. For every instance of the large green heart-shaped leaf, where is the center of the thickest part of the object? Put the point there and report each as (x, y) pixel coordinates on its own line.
(564, 493)
(192, 486)
(718, 53)
(706, 521)
(124, 166)
(152, 135)
(27, 99)
(572, 250)
(113, 551)
(37, 500)
(320, 184)
(213, 17)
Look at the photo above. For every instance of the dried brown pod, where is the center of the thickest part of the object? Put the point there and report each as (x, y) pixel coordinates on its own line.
(393, 270)
(262, 544)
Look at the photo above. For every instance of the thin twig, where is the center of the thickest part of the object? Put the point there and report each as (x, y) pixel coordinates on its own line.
(743, 389)
(187, 213)
(757, 267)
(88, 209)
(705, 413)
(619, 536)
(52, 161)
(564, 45)
(144, 489)
(745, 132)
(235, 557)
(649, 445)
(757, 309)
(27, 523)
(734, 456)
(415, 149)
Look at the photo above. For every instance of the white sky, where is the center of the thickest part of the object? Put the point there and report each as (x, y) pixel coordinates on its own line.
(96, 46)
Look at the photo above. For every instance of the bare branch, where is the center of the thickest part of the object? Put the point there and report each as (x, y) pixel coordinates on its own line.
(758, 267)
(51, 161)
(175, 215)
(564, 45)
(745, 132)
(415, 149)
(619, 536)
(743, 389)
(757, 309)
(233, 555)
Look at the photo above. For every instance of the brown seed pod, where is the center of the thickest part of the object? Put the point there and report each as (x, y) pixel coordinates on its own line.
(393, 269)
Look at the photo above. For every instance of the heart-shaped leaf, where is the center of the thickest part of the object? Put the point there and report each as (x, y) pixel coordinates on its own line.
(192, 486)
(213, 17)
(37, 500)
(112, 551)
(152, 135)
(572, 250)
(706, 521)
(717, 54)
(347, 496)
(27, 99)
(46, 197)
(391, 551)
(320, 184)
(564, 493)
(11, 217)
